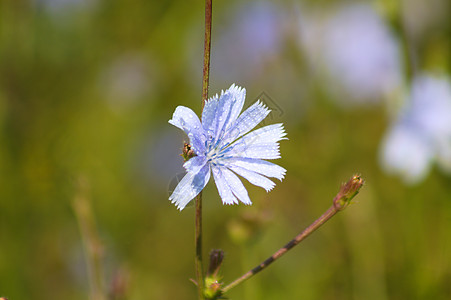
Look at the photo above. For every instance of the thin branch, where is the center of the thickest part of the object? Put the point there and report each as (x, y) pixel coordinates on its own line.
(340, 202)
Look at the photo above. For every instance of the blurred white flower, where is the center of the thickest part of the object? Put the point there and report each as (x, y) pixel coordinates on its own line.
(422, 133)
(356, 51)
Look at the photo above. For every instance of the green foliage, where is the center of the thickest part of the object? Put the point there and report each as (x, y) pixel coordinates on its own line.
(68, 109)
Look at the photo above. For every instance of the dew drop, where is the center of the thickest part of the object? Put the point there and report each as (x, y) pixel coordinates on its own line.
(234, 134)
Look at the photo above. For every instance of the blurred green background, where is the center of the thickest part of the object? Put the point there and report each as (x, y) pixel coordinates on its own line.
(87, 88)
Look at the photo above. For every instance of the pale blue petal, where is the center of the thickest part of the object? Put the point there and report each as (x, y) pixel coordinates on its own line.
(208, 115)
(185, 119)
(221, 112)
(238, 95)
(268, 134)
(260, 151)
(190, 186)
(254, 178)
(223, 188)
(261, 143)
(215, 115)
(230, 105)
(195, 163)
(236, 186)
(256, 165)
(250, 118)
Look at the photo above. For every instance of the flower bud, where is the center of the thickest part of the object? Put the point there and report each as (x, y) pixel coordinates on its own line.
(213, 285)
(216, 258)
(348, 191)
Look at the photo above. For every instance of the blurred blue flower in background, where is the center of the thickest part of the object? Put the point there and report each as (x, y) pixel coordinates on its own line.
(252, 37)
(422, 133)
(127, 79)
(60, 6)
(355, 49)
(222, 144)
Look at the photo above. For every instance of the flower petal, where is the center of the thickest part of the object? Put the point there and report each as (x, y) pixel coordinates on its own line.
(191, 185)
(220, 113)
(238, 95)
(250, 118)
(209, 114)
(261, 143)
(236, 186)
(268, 134)
(260, 151)
(256, 165)
(254, 178)
(223, 188)
(195, 163)
(185, 119)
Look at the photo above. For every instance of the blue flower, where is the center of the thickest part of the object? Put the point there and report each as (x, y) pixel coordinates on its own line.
(354, 49)
(421, 135)
(224, 146)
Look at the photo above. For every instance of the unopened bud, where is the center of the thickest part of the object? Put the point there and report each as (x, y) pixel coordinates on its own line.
(216, 258)
(213, 286)
(348, 191)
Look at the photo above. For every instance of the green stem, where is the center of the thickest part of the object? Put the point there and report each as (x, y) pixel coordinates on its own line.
(198, 242)
(205, 82)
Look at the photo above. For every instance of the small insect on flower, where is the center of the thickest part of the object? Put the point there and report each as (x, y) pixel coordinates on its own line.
(187, 152)
(223, 145)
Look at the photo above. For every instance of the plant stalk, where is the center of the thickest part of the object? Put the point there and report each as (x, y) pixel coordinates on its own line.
(205, 83)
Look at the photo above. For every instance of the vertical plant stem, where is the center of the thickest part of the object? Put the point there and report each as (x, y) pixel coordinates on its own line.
(198, 243)
(207, 48)
(205, 83)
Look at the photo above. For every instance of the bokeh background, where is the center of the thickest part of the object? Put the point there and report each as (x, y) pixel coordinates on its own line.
(87, 88)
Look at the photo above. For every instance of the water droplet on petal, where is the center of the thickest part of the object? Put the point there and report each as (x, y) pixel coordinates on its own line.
(235, 133)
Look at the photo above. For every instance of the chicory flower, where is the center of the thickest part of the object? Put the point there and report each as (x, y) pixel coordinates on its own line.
(224, 146)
